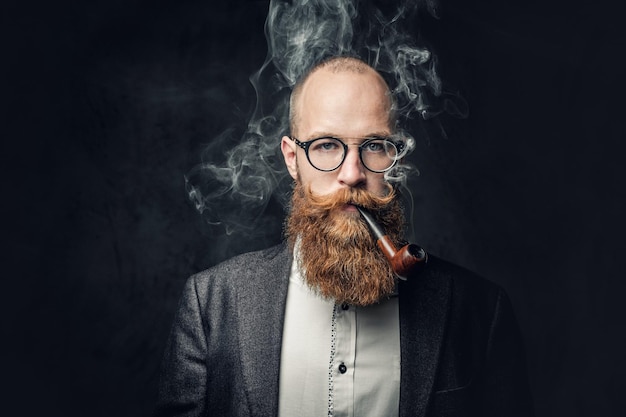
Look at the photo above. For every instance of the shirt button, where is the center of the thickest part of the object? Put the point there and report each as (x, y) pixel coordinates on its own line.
(345, 306)
(343, 368)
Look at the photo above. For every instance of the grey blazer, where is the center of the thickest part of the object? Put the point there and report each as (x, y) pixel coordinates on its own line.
(461, 350)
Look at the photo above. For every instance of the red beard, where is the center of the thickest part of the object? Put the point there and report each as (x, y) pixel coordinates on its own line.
(337, 254)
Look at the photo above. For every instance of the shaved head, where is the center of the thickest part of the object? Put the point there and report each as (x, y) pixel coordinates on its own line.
(335, 65)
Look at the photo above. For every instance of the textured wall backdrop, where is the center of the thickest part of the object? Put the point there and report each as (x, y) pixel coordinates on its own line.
(111, 102)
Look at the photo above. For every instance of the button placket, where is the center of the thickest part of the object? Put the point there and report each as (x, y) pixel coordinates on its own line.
(343, 394)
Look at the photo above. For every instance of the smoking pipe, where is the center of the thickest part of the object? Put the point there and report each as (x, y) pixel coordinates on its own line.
(410, 258)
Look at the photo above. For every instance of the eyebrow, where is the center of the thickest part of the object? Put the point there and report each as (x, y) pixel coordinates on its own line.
(379, 134)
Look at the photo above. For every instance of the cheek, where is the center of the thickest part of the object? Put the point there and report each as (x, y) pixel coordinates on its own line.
(377, 185)
(318, 181)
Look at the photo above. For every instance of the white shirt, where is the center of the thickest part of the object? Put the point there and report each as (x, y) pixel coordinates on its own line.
(338, 360)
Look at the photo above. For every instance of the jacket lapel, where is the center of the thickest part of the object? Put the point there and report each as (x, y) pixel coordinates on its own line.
(423, 309)
(261, 306)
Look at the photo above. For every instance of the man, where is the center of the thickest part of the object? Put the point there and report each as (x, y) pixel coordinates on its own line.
(320, 325)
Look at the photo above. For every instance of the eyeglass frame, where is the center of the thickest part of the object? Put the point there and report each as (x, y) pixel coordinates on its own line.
(306, 144)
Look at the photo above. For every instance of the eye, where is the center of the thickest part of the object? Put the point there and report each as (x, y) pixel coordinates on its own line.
(374, 146)
(325, 145)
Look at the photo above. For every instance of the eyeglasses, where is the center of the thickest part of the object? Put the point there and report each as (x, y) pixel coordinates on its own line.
(328, 153)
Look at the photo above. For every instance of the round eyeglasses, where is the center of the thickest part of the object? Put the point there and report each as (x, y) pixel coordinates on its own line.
(328, 153)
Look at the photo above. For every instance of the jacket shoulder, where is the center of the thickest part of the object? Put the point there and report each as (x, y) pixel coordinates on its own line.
(244, 267)
(464, 283)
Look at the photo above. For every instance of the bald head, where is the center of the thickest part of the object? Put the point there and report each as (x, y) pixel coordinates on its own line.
(329, 75)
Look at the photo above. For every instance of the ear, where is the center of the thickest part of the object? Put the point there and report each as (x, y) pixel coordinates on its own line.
(289, 148)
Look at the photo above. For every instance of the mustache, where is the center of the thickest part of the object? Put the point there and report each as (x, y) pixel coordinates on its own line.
(356, 196)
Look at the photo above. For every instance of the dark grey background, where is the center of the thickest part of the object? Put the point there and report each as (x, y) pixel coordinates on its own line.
(108, 105)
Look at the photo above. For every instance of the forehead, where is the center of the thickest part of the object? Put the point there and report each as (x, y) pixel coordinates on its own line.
(345, 103)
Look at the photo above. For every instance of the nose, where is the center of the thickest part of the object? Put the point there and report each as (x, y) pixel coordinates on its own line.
(352, 172)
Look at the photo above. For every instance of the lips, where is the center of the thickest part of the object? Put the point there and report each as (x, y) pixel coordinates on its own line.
(349, 207)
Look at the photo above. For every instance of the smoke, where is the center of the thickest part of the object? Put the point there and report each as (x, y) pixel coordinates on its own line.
(235, 191)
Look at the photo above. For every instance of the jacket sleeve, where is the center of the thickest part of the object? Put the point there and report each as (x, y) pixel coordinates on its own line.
(182, 386)
(505, 382)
